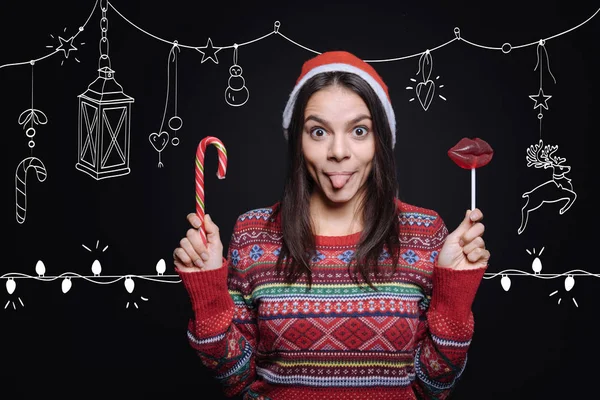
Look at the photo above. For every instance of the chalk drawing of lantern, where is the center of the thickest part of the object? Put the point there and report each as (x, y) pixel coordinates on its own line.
(104, 121)
(104, 128)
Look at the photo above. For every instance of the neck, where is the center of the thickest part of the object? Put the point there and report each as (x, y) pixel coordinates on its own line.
(335, 219)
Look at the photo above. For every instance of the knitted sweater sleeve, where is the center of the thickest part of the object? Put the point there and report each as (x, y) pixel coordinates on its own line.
(447, 329)
(222, 330)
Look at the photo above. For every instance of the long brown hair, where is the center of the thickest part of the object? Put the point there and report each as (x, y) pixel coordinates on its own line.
(378, 204)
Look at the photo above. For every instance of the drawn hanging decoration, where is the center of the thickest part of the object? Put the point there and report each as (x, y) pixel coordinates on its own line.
(237, 93)
(556, 189)
(31, 117)
(28, 120)
(160, 139)
(175, 122)
(541, 99)
(425, 89)
(209, 52)
(104, 119)
(21, 183)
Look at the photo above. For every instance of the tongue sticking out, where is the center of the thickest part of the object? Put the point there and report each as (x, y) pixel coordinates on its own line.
(338, 181)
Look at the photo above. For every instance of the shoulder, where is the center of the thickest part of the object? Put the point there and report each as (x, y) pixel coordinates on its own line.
(419, 225)
(257, 215)
(258, 222)
(412, 214)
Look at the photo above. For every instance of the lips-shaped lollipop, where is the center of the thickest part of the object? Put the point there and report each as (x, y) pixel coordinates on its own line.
(471, 154)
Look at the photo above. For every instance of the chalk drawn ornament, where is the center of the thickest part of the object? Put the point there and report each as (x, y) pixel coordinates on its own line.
(159, 142)
(21, 183)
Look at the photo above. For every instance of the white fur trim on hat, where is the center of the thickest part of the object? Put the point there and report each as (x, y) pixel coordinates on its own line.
(387, 105)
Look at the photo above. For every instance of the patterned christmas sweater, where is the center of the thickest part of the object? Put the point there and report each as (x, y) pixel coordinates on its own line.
(265, 339)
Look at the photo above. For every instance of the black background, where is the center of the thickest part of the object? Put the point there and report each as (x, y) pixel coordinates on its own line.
(86, 342)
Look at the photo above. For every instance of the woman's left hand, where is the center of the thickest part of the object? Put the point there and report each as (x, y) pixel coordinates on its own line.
(464, 248)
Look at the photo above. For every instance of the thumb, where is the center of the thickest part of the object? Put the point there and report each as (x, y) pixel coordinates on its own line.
(209, 226)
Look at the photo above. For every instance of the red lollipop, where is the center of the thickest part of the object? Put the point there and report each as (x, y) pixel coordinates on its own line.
(471, 154)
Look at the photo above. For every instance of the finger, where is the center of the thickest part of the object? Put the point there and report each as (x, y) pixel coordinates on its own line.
(478, 255)
(473, 232)
(180, 257)
(463, 226)
(476, 215)
(186, 268)
(194, 220)
(474, 244)
(211, 229)
(190, 250)
(195, 238)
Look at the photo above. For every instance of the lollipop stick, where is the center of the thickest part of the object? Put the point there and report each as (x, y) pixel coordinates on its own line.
(473, 188)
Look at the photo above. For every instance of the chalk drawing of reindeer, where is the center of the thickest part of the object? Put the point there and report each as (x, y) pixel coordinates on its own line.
(559, 188)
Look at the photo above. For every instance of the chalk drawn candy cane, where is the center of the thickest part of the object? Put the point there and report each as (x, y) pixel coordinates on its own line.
(199, 172)
(21, 183)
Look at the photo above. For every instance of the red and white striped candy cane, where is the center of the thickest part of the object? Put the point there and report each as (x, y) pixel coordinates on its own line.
(21, 183)
(200, 152)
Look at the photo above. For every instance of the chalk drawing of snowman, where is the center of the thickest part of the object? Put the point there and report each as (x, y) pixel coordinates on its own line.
(237, 93)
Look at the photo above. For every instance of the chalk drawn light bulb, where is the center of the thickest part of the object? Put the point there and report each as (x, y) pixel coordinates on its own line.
(11, 285)
(96, 268)
(536, 265)
(161, 267)
(505, 282)
(129, 284)
(40, 268)
(66, 285)
(569, 283)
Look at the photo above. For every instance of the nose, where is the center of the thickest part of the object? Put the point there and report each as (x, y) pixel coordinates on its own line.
(339, 147)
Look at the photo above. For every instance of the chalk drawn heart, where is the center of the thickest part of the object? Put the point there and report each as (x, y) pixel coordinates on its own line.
(425, 91)
(159, 141)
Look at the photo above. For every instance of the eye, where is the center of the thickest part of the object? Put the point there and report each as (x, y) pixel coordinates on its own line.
(317, 132)
(360, 131)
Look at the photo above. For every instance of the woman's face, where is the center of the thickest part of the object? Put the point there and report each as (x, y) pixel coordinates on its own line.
(338, 144)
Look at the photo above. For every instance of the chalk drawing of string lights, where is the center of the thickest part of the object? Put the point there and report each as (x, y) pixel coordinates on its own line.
(536, 267)
(66, 279)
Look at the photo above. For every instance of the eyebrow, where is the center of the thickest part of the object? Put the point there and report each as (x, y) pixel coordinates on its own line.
(322, 121)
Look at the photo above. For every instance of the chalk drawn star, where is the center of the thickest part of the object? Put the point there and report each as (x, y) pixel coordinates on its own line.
(540, 99)
(209, 51)
(64, 43)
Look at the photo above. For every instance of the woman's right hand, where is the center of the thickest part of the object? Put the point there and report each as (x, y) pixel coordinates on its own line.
(192, 255)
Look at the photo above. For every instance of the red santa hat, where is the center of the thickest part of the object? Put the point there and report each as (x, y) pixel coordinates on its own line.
(346, 62)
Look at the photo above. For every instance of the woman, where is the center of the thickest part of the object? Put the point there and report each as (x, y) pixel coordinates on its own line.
(339, 290)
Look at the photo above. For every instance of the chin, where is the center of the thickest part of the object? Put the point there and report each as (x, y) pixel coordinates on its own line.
(341, 197)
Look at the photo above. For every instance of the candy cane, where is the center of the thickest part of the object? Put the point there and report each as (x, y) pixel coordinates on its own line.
(21, 183)
(200, 152)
